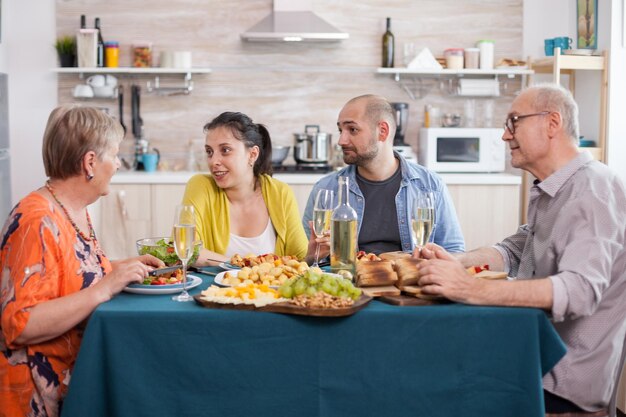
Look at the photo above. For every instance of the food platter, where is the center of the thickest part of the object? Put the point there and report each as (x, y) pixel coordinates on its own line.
(219, 278)
(192, 282)
(289, 308)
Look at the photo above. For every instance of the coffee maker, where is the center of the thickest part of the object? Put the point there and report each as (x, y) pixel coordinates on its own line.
(402, 114)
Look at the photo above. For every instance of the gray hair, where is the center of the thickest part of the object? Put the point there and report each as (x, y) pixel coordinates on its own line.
(71, 132)
(554, 97)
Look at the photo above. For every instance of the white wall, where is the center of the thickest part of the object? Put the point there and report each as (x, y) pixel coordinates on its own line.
(617, 99)
(548, 19)
(27, 54)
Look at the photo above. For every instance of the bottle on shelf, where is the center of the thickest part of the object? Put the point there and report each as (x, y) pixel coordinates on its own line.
(343, 233)
(388, 46)
(83, 21)
(101, 61)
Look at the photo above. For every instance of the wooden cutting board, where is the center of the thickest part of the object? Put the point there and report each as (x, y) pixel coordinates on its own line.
(380, 291)
(407, 300)
(288, 308)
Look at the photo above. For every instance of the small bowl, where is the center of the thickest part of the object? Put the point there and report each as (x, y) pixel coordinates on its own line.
(163, 248)
(279, 154)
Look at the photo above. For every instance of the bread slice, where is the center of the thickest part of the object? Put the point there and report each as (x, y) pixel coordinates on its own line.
(375, 273)
(381, 290)
(408, 271)
(416, 291)
(392, 256)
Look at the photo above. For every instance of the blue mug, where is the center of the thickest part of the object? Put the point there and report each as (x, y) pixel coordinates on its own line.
(549, 46)
(151, 161)
(563, 42)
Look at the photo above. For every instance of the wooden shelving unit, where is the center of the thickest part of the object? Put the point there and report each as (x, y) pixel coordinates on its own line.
(570, 64)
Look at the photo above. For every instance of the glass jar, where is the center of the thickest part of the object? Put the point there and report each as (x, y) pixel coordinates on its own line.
(112, 54)
(142, 55)
(486, 47)
(472, 58)
(454, 58)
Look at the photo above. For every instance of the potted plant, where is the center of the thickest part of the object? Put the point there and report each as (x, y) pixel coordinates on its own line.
(66, 49)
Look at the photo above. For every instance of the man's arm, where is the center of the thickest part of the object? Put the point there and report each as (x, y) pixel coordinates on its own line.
(482, 256)
(445, 275)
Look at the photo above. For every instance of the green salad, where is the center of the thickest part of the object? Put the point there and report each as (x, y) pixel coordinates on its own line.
(164, 250)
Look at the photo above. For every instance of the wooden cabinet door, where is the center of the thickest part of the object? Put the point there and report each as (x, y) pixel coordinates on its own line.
(165, 198)
(302, 192)
(487, 213)
(125, 217)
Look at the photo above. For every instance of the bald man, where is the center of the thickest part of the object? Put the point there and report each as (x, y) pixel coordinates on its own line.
(383, 185)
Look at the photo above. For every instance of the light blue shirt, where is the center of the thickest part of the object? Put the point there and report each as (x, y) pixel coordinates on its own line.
(447, 232)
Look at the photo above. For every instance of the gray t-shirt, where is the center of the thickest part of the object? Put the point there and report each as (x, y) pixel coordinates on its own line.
(379, 228)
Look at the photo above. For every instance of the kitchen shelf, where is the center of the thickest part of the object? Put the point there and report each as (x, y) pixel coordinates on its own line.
(130, 70)
(152, 87)
(417, 88)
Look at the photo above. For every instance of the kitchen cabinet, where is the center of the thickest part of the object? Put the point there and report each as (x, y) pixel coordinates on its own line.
(487, 213)
(134, 211)
(142, 205)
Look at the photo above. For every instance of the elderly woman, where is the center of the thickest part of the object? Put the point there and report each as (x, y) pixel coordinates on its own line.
(240, 207)
(53, 272)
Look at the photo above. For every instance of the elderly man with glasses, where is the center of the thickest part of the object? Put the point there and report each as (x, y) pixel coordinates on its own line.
(570, 259)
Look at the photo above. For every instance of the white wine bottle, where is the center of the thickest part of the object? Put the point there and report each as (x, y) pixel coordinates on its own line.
(343, 233)
(101, 60)
(388, 46)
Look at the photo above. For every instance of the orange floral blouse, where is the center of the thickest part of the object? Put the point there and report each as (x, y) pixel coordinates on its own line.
(42, 257)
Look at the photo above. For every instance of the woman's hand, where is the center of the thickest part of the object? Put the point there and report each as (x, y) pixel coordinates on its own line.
(127, 272)
(323, 242)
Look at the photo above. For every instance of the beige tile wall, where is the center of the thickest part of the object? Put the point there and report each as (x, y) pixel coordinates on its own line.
(286, 86)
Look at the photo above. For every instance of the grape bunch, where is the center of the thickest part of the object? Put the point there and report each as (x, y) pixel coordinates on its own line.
(314, 280)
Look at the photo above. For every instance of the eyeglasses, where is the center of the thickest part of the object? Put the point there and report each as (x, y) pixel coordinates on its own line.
(510, 121)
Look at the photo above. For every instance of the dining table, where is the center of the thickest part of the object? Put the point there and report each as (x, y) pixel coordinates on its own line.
(147, 355)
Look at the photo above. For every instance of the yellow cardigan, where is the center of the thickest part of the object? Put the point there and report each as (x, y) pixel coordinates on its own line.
(213, 216)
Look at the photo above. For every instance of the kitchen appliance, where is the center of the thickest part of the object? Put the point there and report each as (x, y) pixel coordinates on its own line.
(5, 164)
(293, 21)
(141, 144)
(462, 149)
(302, 169)
(402, 115)
(312, 147)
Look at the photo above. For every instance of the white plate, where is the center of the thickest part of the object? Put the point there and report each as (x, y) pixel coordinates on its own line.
(219, 278)
(228, 266)
(192, 282)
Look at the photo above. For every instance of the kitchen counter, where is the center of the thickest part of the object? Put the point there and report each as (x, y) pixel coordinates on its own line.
(181, 177)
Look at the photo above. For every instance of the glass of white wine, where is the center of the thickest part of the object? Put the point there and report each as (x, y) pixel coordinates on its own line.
(322, 210)
(184, 238)
(423, 217)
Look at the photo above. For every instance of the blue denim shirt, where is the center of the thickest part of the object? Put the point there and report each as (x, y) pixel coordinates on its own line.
(447, 232)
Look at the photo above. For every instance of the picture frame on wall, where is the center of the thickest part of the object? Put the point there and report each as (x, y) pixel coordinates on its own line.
(587, 23)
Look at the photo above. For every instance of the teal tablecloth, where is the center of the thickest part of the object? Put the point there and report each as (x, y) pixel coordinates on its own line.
(147, 355)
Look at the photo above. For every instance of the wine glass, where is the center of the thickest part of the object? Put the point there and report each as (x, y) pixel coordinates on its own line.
(184, 237)
(322, 210)
(423, 217)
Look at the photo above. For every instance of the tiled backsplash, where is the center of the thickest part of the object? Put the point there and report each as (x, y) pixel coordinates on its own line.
(255, 78)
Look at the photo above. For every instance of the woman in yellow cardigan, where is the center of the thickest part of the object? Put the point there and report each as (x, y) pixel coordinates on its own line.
(239, 207)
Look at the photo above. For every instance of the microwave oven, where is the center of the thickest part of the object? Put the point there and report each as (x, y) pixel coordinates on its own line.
(455, 149)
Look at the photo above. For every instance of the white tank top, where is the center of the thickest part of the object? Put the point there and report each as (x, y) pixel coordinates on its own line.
(258, 245)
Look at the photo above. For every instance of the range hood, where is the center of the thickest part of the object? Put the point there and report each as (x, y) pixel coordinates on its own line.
(293, 21)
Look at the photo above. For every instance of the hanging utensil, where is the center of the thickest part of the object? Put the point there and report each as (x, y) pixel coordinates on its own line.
(120, 103)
